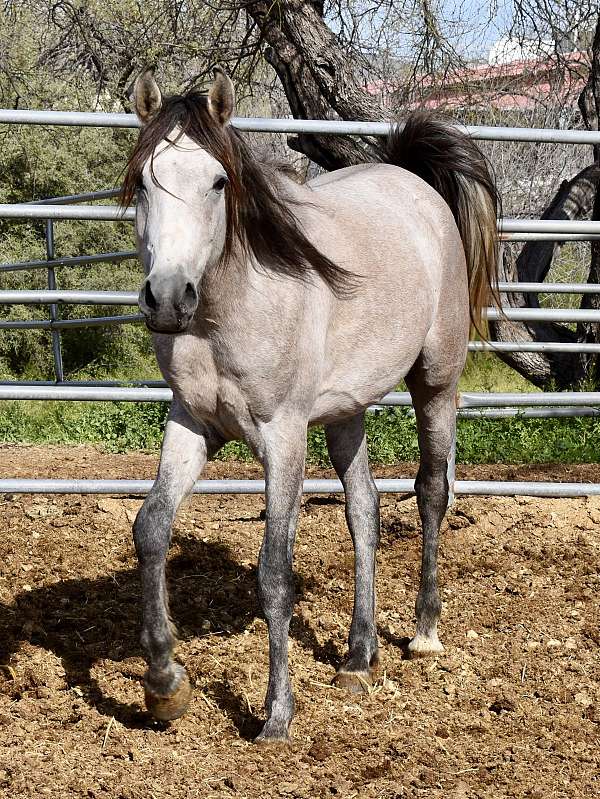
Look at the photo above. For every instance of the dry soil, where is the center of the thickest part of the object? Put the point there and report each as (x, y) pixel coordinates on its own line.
(512, 708)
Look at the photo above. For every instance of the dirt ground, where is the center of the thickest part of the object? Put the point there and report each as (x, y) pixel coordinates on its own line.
(512, 708)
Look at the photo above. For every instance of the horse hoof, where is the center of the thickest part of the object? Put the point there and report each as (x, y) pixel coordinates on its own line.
(263, 740)
(168, 708)
(274, 735)
(421, 647)
(355, 682)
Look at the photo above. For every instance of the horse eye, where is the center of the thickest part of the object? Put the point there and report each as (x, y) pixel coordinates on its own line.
(220, 183)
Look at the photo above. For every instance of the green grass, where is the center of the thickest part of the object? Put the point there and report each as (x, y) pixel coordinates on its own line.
(122, 426)
(486, 372)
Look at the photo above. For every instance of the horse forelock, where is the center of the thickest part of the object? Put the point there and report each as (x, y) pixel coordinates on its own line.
(185, 115)
(260, 216)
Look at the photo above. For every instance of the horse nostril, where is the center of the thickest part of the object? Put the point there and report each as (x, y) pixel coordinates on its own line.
(149, 297)
(190, 293)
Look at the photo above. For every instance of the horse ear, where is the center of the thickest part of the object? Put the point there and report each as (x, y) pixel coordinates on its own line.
(221, 97)
(145, 96)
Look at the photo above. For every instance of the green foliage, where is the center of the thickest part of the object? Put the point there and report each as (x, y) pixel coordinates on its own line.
(486, 372)
(51, 61)
(117, 426)
(392, 438)
(520, 440)
(83, 56)
(38, 162)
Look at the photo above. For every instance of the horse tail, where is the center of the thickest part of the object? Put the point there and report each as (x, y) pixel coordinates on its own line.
(455, 167)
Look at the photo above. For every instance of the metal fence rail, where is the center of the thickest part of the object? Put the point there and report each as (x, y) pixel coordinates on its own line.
(332, 127)
(142, 487)
(73, 260)
(41, 297)
(470, 405)
(506, 314)
(65, 324)
(482, 402)
(115, 213)
(533, 346)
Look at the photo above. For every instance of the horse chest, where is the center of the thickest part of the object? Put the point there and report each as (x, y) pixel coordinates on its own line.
(204, 385)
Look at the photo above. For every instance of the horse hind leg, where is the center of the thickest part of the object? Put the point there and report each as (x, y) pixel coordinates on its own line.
(435, 410)
(347, 446)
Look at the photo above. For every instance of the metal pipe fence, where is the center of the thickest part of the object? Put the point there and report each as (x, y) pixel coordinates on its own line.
(113, 213)
(470, 405)
(534, 346)
(330, 127)
(65, 324)
(54, 320)
(76, 260)
(113, 298)
(496, 488)
(41, 297)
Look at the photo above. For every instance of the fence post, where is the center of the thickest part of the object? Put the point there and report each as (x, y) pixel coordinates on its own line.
(56, 348)
(451, 463)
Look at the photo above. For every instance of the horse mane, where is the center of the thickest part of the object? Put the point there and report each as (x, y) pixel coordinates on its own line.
(260, 217)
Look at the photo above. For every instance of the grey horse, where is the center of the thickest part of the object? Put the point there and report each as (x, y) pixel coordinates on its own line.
(275, 306)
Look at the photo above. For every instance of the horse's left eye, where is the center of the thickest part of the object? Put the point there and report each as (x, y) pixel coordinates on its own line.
(220, 183)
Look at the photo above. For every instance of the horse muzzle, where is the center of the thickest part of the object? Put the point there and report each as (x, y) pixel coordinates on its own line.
(168, 306)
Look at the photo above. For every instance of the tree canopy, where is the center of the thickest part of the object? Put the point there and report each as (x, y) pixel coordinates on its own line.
(362, 59)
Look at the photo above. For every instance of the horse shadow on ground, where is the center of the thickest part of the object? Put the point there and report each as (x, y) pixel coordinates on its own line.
(86, 620)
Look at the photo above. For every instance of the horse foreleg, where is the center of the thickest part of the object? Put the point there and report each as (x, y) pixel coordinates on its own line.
(347, 446)
(185, 449)
(284, 451)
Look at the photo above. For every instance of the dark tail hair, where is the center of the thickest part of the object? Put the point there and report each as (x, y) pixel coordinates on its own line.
(451, 162)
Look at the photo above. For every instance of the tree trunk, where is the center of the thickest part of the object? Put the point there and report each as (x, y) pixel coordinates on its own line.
(573, 200)
(589, 99)
(318, 78)
(591, 331)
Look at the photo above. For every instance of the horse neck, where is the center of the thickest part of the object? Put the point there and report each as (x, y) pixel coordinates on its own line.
(224, 287)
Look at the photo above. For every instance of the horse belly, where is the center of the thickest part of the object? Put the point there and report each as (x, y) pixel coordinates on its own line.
(363, 383)
(368, 361)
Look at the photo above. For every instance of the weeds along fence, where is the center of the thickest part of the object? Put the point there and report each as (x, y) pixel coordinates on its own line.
(470, 405)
